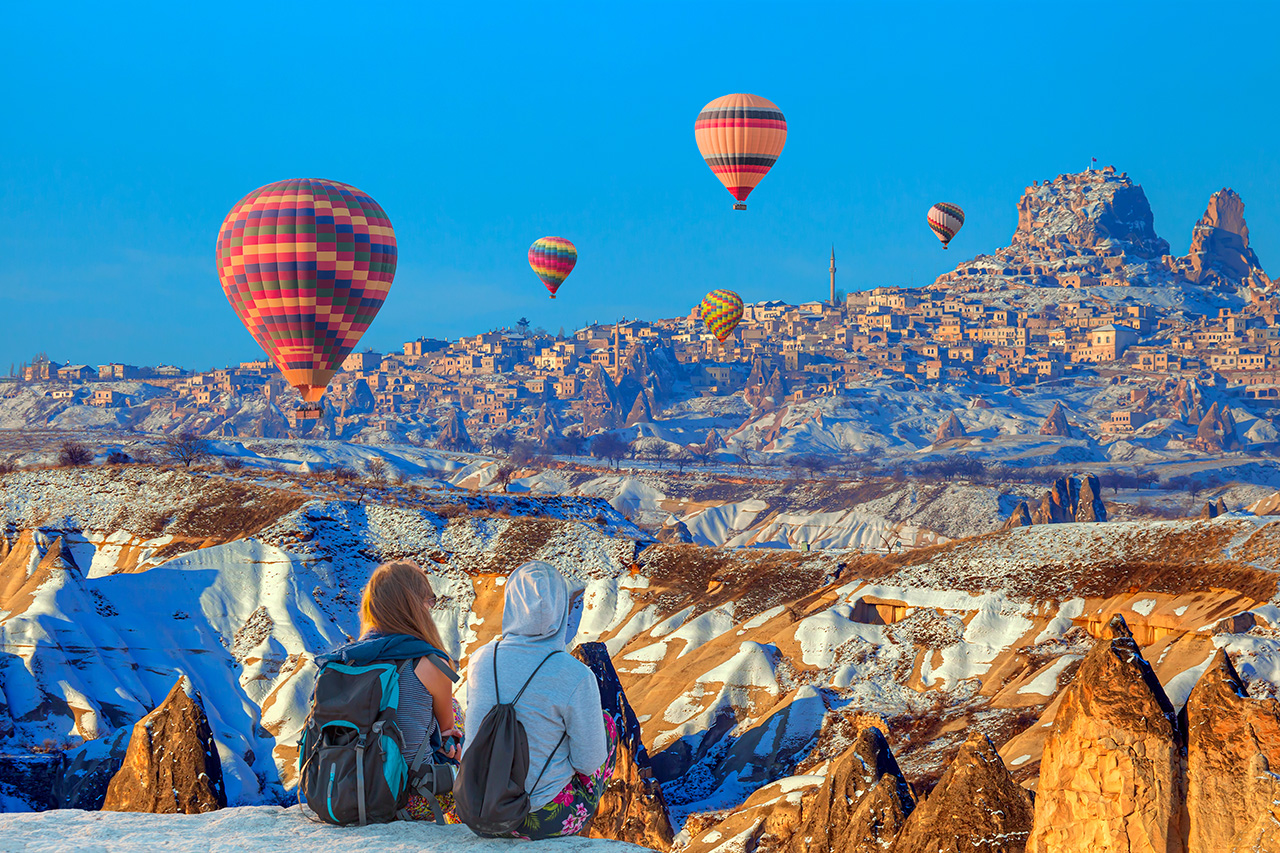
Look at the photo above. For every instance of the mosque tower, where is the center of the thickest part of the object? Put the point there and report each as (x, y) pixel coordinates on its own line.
(833, 276)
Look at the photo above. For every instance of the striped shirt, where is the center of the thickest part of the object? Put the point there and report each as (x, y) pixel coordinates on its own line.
(415, 717)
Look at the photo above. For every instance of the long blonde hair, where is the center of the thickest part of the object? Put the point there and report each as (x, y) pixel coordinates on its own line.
(395, 602)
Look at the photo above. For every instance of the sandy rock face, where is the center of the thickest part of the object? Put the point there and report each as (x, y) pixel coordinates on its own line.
(1056, 423)
(1233, 753)
(172, 764)
(976, 806)
(950, 428)
(1219, 254)
(453, 434)
(1111, 775)
(861, 804)
(1021, 517)
(633, 807)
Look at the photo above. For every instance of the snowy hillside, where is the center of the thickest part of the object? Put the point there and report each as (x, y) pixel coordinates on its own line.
(733, 659)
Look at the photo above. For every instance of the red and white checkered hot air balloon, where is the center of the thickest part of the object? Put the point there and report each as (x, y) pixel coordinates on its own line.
(945, 219)
(306, 264)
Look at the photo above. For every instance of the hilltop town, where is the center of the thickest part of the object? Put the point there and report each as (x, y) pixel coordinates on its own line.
(1086, 294)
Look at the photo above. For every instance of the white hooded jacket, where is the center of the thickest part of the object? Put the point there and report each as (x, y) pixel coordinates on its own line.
(563, 696)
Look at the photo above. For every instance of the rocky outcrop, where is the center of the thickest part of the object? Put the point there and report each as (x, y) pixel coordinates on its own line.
(641, 411)
(601, 407)
(1217, 431)
(1021, 517)
(949, 428)
(862, 802)
(1082, 229)
(1090, 506)
(546, 425)
(1071, 499)
(976, 806)
(1111, 774)
(1219, 255)
(714, 442)
(1056, 423)
(1220, 507)
(633, 807)
(453, 433)
(1233, 754)
(172, 764)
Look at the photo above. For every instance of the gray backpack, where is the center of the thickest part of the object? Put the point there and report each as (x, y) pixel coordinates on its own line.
(489, 791)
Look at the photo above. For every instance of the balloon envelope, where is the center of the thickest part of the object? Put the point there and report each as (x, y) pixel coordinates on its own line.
(722, 311)
(945, 219)
(306, 264)
(553, 258)
(740, 136)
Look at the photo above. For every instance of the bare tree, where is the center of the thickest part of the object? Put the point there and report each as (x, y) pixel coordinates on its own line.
(118, 457)
(701, 453)
(73, 453)
(609, 446)
(505, 473)
(187, 448)
(521, 453)
(746, 458)
(342, 473)
(812, 464)
(680, 457)
(378, 469)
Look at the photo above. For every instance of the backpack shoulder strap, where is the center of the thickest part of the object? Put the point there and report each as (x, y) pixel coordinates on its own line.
(530, 678)
(442, 666)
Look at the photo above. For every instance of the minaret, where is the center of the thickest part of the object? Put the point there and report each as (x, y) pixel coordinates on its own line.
(833, 276)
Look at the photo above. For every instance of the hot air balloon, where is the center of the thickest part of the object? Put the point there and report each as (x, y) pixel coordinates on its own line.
(722, 311)
(740, 137)
(945, 220)
(306, 264)
(552, 258)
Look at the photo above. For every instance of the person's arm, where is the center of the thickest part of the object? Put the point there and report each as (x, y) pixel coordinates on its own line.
(584, 721)
(441, 690)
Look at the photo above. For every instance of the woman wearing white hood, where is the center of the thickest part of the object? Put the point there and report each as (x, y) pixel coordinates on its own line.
(572, 739)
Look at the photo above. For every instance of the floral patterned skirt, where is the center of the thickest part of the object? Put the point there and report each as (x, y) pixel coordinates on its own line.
(576, 802)
(418, 807)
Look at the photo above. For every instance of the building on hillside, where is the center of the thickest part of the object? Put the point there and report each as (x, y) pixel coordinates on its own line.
(76, 373)
(40, 369)
(362, 362)
(106, 398)
(118, 371)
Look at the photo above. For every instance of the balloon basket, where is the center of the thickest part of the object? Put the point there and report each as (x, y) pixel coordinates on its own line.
(553, 296)
(740, 206)
(307, 414)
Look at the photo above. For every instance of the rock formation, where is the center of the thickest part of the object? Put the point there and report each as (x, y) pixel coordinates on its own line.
(172, 764)
(1219, 255)
(1233, 753)
(453, 433)
(842, 816)
(949, 429)
(976, 806)
(714, 442)
(1111, 773)
(1220, 507)
(1071, 499)
(677, 532)
(633, 807)
(601, 407)
(1217, 431)
(1090, 506)
(1056, 423)
(546, 425)
(1091, 227)
(1021, 517)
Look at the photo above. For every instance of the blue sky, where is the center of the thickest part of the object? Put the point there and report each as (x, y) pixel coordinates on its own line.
(130, 131)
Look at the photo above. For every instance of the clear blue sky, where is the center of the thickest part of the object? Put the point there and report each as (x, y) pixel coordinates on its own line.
(128, 132)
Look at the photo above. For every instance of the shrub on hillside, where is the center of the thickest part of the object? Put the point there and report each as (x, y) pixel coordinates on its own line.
(118, 457)
(232, 463)
(73, 453)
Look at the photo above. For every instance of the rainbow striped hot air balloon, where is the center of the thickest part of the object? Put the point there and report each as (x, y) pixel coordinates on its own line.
(740, 137)
(552, 258)
(306, 264)
(722, 311)
(945, 219)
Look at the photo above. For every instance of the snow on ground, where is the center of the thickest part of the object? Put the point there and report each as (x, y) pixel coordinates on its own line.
(252, 829)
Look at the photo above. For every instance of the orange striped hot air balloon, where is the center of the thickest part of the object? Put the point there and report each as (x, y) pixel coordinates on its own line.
(740, 137)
